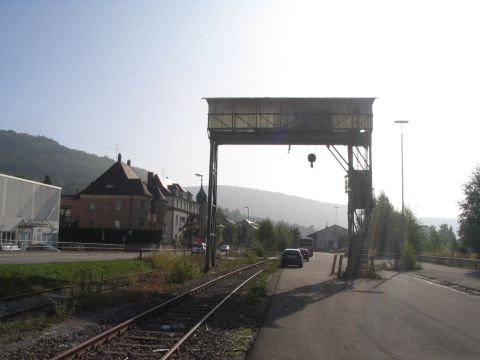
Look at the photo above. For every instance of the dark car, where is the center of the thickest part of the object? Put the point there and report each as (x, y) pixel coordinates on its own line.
(292, 257)
(305, 254)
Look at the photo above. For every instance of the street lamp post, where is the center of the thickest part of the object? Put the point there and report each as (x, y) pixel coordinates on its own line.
(401, 122)
(248, 212)
(336, 208)
(201, 179)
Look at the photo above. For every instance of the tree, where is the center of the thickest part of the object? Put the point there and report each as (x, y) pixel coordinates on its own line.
(284, 236)
(414, 232)
(266, 236)
(384, 230)
(230, 233)
(469, 218)
(296, 234)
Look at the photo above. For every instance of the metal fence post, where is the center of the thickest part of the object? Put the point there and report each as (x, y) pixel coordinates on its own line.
(334, 263)
(339, 272)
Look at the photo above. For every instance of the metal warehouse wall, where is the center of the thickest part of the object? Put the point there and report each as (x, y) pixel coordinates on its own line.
(22, 199)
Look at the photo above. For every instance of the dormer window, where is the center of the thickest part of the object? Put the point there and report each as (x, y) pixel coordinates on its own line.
(108, 186)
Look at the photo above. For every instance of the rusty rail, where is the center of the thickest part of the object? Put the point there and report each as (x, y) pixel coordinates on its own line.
(126, 325)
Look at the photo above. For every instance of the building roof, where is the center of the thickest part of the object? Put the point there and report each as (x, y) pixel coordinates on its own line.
(328, 229)
(156, 187)
(119, 179)
(201, 196)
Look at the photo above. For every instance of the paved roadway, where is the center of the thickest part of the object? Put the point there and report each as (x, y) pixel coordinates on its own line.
(42, 257)
(313, 316)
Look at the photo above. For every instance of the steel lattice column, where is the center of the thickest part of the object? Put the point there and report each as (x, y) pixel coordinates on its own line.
(212, 208)
(360, 205)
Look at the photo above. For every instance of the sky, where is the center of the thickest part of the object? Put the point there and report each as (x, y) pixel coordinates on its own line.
(101, 75)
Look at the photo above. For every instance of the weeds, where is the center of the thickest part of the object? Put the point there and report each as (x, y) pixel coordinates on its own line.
(241, 341)
(183, 270)
(250, 257)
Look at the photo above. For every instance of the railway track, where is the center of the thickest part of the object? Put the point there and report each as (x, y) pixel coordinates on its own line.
(159, 332)
(45, 301)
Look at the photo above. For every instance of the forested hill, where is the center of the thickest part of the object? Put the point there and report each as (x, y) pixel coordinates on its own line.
(33, 157)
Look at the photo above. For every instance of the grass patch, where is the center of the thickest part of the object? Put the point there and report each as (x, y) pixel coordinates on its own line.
(250, 257)
(258, 290)
(24, 278)
(241, 341)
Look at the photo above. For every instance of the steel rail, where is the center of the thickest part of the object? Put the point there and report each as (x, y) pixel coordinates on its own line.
(197, 325)
(27, 310)
(34, 293)
(119, 329)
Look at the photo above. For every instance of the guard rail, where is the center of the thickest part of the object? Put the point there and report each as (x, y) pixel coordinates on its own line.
(449, 261)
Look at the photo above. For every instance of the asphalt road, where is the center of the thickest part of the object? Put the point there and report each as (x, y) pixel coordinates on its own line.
(314, 316)
(42, 257)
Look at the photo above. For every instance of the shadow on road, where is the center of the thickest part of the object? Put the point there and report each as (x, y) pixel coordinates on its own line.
(285, 303)
(474, 274)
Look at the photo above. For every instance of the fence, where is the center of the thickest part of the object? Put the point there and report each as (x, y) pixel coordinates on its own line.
(187, 251)
(457, 262)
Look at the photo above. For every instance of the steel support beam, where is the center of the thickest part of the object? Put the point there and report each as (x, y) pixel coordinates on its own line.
(360, 206)
(210, 260)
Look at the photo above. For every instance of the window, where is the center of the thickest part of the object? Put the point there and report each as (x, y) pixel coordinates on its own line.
(105, 204)
(176, 220)
(140, 224)
(118, 205)
(92, 224)
(141, 205)
(116, 224)
(92, 205)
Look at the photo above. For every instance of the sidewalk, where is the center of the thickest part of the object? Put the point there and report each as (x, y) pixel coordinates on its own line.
(464, 277)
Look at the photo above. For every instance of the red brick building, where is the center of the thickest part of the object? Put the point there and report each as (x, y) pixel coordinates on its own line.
(117, 199)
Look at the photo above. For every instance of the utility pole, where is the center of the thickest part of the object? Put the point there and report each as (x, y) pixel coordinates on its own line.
(401, 122)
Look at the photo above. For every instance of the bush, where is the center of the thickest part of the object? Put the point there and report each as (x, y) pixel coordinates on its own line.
(259, 249)
(408, 259)
(183, 270)
(250, 256)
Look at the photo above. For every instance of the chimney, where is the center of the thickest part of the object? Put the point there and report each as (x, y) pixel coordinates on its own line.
(150, 178)
(119, 157)
(129, 162)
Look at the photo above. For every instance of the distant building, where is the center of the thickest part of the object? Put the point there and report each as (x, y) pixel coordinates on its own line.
(330, 238)
(119, 200)
(29, 212)
(182, 215)
(246, 232)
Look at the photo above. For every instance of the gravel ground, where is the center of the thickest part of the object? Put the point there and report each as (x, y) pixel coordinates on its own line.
(216, 340)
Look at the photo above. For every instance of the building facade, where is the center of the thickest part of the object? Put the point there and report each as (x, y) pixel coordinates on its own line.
(330, 238)
(29, 212)
(182, 215)
(118, 199)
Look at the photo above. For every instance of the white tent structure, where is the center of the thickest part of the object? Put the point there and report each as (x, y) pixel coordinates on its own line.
(29, 213)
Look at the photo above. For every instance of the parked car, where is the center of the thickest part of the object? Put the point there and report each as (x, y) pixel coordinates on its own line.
(199, 248)
(224, 248)
(305, 254)
(292, 257)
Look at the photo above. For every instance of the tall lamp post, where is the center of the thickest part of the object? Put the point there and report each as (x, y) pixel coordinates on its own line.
(401, 122)
(336, 208)
(201, 179)
(248, 212)
(200, 215)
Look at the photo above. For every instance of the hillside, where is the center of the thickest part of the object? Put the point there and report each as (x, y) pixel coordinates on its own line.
(278, 206)
(33, 157)
(293, 209)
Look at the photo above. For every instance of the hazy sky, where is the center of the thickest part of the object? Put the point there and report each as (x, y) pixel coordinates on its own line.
(93, 74)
